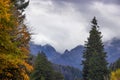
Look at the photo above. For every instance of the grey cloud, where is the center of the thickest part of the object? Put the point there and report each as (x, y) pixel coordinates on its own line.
(112, 1)
(66, 23)
(74, 1)
(79, 2)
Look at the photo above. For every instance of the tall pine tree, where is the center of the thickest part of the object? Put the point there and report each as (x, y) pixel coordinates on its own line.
(94, 63)
(43, 69)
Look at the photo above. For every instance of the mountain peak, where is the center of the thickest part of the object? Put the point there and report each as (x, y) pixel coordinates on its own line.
(66, 51)
(49, 47)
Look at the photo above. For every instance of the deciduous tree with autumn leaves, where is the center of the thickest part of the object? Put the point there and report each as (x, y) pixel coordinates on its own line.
(14, 39)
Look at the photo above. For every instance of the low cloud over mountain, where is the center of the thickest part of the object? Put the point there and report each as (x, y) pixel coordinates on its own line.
(66, 23)
(74, 56)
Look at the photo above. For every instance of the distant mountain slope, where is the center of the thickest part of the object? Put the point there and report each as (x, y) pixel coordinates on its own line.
(71, 58)
(74, 57)
(113, 50)
(50, 52)
(70, 73)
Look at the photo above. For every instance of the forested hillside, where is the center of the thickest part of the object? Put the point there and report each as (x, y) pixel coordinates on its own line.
(69, 73)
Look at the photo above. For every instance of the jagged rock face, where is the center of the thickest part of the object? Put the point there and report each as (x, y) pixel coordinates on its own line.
(74, 57)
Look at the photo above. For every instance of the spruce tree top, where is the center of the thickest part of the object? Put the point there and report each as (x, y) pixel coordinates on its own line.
(94, 43)
(94, 21)
(94, 63)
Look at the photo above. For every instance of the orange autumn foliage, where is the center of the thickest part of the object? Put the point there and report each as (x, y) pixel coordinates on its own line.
(4, 9)
(14, 39)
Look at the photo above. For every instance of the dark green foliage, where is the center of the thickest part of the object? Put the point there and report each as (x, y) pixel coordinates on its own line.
(58, 76)
(69, 73)
(43, 69)
(94, 63)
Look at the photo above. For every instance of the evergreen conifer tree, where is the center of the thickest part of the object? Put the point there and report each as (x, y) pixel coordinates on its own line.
(94, 63)
(43, 69)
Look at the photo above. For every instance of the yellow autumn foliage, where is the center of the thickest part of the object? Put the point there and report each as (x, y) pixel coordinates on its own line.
(115, 75)
(5, 9)
(13, 44)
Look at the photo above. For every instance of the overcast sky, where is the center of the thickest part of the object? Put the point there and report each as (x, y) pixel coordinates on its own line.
(64, 24)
